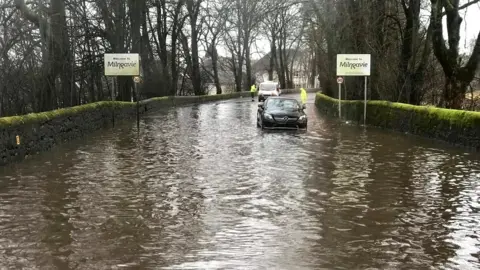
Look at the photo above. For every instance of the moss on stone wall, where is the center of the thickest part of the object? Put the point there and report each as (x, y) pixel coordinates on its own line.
(453, 126)
(297, 90)
(64, 112)
(116, 105)
(41, 131)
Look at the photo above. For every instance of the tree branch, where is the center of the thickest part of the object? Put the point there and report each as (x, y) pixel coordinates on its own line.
(473, 62)
(464, 6)
(29, 14)
(439, 48)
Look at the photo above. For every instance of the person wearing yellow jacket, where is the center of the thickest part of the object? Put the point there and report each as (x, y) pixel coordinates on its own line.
(253, 89)
(303, 95)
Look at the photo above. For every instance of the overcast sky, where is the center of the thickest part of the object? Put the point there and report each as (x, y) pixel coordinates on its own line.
(471, 22)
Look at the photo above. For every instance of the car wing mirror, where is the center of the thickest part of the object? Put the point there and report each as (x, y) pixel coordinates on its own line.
(260, 105)
(304, 106)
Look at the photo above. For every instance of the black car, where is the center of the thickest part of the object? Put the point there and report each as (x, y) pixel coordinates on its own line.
(281, 112)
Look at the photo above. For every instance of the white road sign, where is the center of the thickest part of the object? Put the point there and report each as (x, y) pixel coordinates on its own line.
(122, 64)
(353, 64)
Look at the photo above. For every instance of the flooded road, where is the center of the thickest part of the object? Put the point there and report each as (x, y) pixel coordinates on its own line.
(202, 188)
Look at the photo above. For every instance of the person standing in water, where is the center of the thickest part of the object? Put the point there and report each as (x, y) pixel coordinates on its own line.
(253, 89)
(303, 95)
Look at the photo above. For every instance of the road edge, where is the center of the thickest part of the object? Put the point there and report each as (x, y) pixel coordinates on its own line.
(26, 135)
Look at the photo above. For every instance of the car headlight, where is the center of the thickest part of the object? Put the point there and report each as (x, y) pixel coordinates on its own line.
(302, 118)
(268, 116)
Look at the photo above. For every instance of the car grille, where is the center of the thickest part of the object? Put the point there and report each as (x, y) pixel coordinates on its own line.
(283, 120)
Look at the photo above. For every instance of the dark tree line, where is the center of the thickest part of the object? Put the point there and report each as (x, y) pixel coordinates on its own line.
(413, 62)
(51, 51)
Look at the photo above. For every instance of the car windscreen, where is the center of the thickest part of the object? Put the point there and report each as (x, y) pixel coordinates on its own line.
(268, 87)
(283, 104)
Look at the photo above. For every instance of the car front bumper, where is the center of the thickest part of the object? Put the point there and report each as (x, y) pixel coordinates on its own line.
(284, 128)
(282, 124)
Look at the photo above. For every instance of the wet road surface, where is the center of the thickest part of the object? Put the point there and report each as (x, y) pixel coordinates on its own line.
(202, 188)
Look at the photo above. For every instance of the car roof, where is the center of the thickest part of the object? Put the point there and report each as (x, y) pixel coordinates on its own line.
(269, 82)
(286, 98)
(281, 98)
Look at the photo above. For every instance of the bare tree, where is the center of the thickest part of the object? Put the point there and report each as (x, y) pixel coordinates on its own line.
(52, 55)
(193, 8)
(457, 77)
(215, 19)
(56, 53)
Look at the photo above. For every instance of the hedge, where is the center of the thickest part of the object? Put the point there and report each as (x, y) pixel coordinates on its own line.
(454, 126)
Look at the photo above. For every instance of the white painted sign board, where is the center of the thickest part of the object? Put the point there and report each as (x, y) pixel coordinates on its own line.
(122, 64)
(353, 64)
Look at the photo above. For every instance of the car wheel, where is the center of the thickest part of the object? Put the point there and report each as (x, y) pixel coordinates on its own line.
(258, 121)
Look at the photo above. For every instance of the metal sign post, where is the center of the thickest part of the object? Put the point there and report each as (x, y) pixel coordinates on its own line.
(123, 64)
(340, 81)
(365, 104)
(136, 81)
(112, 93)
(354, 65)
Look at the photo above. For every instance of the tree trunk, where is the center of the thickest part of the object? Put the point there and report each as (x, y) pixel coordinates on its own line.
(193, 8)
(55, 39)
(454, 92)
(237, 75)
(331, 67)
(313, 66)
(45, 97)
(124, 90)
(135, 8)
(271, 64)
(250, 80)
(61, 50)
(188, 56)
(273, 56)
(406, 87)
(288, 73)
(281, 64)
(216, 79)
(176, 29)
(162, 30)
(457, 78)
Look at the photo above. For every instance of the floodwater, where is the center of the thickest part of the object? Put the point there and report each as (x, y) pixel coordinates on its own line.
(200, 187)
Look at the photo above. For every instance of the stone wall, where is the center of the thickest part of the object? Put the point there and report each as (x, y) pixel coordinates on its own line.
(297, 90)
(41, 131)
(453, 126)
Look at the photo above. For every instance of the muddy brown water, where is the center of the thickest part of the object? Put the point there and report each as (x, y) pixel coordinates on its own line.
(200, 187)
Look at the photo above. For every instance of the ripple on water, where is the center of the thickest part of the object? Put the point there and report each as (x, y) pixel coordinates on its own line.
(202, 188)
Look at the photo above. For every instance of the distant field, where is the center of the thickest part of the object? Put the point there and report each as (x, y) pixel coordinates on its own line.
(476, 94)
